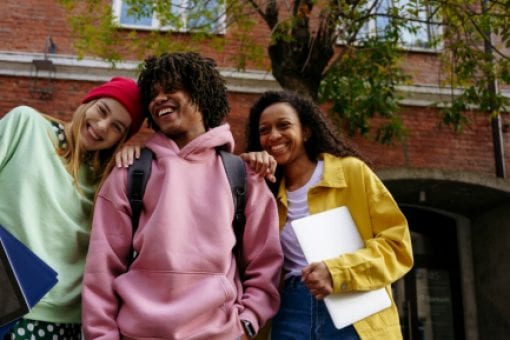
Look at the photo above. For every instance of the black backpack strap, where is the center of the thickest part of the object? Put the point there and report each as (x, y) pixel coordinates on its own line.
(138, 175)
(236, 174)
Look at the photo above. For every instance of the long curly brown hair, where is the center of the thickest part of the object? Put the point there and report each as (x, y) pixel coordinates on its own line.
(324, 137)
(191, 72)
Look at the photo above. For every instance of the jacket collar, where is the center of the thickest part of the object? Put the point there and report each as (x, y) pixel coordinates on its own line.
(333, 175)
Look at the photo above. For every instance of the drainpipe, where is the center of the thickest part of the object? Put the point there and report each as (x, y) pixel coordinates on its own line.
(497, 140)
(497, 131)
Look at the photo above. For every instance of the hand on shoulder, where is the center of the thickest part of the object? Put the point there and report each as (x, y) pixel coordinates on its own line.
(261, 163)
(126, 156)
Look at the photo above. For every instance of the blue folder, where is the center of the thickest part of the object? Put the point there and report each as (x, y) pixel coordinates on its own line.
(24, 277)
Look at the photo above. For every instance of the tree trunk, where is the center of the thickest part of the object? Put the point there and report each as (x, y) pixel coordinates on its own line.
(298, 56)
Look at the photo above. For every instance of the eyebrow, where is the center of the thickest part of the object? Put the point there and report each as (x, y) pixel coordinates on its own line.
(105, 106)
(121, 124)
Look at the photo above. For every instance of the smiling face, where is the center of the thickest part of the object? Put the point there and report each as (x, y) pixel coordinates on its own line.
(104, 124)
(282, 135)
(176, 115)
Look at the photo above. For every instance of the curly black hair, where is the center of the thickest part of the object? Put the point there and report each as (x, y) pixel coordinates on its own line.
(191, 72)
(324, 137)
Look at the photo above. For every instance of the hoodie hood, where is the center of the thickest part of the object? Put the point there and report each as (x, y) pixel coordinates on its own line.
(220, 136)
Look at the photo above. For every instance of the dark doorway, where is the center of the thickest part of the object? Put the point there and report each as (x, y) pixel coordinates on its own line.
(429, 297)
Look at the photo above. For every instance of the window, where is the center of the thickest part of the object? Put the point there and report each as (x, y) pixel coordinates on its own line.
(183, 16)
(424, 23)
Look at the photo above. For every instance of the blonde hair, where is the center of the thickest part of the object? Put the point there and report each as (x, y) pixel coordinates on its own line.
(100, 162)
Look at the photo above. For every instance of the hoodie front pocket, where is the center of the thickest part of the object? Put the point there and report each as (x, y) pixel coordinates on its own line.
(159, 303)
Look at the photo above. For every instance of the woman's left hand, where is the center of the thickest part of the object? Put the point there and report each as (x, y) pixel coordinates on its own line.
(318, 280)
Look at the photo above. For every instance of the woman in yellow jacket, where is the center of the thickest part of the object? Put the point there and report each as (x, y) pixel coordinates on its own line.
(315, 172)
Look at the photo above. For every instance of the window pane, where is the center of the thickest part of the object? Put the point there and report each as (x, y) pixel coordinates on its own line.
(382, 19)
(127, 19)
(176, 18)
(204, 14)
(424, 30)
(179, 15)
(420, 36)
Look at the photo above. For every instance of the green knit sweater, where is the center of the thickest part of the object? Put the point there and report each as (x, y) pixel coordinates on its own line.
(41, 206)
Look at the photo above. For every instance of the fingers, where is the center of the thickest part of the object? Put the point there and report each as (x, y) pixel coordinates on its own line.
(320, 295)
(118, 160)
(307, 270)
(318, 280)
(138, 151)
(247, 157)
(271, 178)
(271, 169)
(261, 163)
(126, 156)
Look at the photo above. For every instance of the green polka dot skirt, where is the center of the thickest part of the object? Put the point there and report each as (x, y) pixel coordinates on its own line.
(31, 330)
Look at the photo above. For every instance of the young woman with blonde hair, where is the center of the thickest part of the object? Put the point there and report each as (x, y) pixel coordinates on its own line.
(50, 170)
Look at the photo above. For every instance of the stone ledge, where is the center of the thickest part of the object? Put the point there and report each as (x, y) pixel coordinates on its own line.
(69, 67)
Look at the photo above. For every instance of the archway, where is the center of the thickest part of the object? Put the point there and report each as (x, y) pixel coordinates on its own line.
(444, 293)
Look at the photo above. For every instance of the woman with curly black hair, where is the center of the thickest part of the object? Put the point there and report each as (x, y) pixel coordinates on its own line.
(317, 171)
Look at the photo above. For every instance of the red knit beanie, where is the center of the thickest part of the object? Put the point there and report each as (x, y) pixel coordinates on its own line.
(126, 92)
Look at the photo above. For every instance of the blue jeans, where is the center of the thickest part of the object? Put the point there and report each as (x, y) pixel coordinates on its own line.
(302, 317)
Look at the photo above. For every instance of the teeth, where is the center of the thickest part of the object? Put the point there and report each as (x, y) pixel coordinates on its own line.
(277, 148)
(165, 111)
(93, 134)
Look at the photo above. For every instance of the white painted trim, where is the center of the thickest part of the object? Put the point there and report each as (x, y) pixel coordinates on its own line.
(69, 67)
(476, 179)
(19, 64)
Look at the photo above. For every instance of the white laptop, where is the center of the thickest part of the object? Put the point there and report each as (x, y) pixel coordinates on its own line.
(329, 234)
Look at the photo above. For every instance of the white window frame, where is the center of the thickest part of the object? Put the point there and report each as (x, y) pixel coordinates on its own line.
(434, 30)
(156, 25)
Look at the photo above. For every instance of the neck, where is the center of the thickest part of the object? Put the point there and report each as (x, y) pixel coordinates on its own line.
(298, 173)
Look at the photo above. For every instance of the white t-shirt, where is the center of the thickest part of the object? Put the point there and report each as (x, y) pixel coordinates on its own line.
(298, 207)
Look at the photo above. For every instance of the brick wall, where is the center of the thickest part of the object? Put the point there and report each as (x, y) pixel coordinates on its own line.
(67, 95)
(427, 145)
(430, 145)
(25, 26)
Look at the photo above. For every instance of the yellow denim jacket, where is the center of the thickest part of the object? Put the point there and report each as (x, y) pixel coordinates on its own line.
(387, 255)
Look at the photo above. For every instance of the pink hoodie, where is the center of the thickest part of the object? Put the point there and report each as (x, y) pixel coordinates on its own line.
(184, 283)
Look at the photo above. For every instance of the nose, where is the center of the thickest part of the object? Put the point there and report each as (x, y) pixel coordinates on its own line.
(102, 125)
(274, 134)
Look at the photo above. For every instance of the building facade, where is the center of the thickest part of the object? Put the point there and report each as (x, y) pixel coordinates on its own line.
(445, 182)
